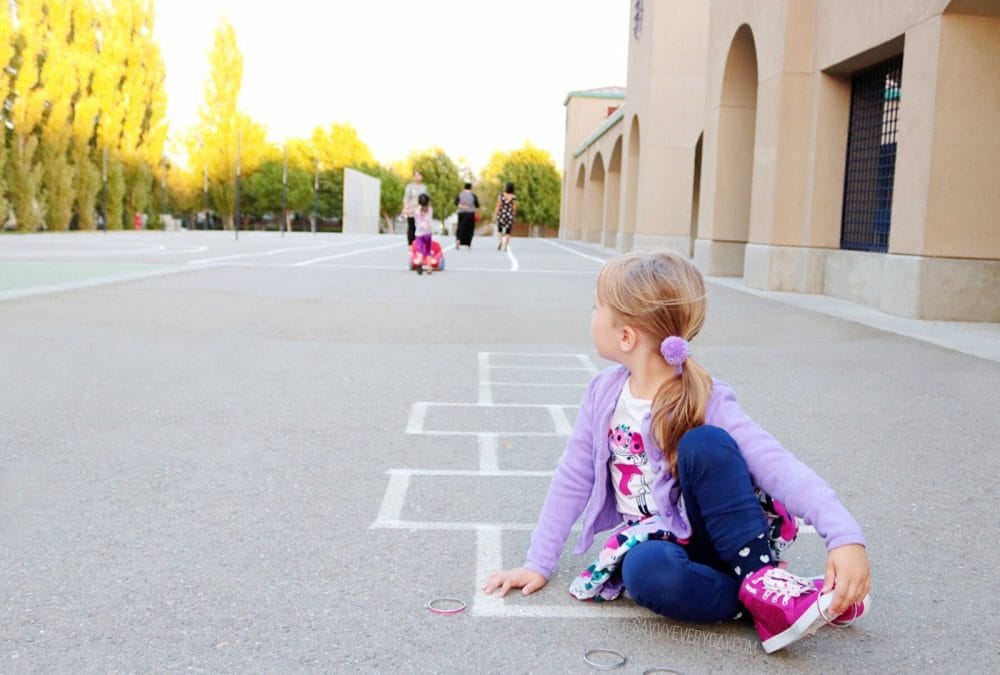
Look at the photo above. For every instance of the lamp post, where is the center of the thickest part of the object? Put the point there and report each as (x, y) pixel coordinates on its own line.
(104, 198)
(204, 181)
(163, 194)
(284, 192)
(315, 198)
(238, 139)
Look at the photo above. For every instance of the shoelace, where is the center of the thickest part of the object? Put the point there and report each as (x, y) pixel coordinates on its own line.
(783, 585)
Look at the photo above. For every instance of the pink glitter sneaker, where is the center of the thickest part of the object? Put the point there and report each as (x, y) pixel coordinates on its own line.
(849, 616)
(784, 607)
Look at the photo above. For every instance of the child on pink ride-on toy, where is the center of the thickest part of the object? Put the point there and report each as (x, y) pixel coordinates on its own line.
(424, 258)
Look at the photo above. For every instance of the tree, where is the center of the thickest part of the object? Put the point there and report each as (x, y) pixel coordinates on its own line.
(109, 72)
(83, 50)
(24, 172)
(214, 139)
(144, 105)
(340, 147)
(536, 181)
(58, 89)
(6, 57)
(391, 190)
(264, 188)
(441, 177)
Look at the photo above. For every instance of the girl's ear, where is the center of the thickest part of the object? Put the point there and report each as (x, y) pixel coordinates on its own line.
(628, 338)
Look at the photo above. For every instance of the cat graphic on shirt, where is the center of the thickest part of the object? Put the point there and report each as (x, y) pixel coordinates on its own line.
(630, 454)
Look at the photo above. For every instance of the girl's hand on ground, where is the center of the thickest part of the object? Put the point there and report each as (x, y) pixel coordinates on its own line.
(528, 580)
(848, 574)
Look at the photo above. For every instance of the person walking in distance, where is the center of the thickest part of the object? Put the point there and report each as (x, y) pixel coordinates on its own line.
(467, 203)
(503, 215)
(411, 193)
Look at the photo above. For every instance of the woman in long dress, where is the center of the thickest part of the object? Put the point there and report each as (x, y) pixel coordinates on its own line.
(467, 203)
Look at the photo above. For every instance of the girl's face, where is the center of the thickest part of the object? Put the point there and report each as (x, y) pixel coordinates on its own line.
(604, 331)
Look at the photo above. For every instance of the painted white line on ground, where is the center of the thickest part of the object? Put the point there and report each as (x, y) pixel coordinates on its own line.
(415, 425)
(588, 364)
(442, 404)
(514, 265)
(395, 496)
(495, 473)
(805, 529)
(273, 251)
(561, 355)
(451, 267)
(581, 610)
(488, 452)
(580, 385)
(539, 368)
(87, 283)
(559, 419)
(345, 255)
(441, 432)
(582, 255)
(489, 558)
(449, 525)
(485, 391)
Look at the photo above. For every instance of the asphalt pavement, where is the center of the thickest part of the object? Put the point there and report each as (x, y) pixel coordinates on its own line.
(269, 455)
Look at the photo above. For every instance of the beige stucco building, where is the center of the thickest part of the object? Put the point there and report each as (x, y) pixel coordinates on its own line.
(845, 147)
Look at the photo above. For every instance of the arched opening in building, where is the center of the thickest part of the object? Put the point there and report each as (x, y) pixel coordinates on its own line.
(695, 193)
(631, 186)
(735, 158)
(576, 205)
(594, 216)
(612, 200)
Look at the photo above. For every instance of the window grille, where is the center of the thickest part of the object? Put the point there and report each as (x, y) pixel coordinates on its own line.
(871, 157)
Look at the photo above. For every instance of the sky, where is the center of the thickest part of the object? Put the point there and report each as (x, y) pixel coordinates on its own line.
(469, 76)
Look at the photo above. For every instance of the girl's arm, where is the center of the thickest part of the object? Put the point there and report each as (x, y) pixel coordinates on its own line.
(569, 491)
(786, 478)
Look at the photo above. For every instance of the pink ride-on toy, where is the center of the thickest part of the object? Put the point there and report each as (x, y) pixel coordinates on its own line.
(435, 259)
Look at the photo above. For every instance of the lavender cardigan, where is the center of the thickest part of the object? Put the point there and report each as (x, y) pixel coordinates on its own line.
(581, 484)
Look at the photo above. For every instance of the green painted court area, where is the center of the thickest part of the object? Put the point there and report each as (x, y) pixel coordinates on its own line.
(24, 275)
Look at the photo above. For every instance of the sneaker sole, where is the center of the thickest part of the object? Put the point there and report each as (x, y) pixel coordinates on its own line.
(807, 624)
(866, 601)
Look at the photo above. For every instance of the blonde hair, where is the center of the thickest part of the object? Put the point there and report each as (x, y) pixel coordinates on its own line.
(660, 295)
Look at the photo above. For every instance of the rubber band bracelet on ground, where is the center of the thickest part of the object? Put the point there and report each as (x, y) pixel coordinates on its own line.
(605, 666)
(440, 610)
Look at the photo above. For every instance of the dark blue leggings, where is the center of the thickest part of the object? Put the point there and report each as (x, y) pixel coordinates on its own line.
(693, 582)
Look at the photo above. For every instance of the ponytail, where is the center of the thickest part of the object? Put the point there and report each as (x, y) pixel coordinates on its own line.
(679, 405)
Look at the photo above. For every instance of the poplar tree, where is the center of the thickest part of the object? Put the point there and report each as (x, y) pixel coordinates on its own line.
(58, 90)
(213, 145)
(23, 171)
(6, 56)
(83, 50)
(114, 28)
(144, 103)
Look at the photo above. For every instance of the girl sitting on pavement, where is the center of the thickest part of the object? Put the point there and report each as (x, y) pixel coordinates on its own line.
(423, 240)
(701, 499)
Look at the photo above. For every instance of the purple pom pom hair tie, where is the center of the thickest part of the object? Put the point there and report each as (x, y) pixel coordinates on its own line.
(675, 350)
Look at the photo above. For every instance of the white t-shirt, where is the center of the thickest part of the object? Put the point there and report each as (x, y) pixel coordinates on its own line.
(630, 470)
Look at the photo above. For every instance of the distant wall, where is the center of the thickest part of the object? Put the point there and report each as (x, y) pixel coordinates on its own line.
(362, 197)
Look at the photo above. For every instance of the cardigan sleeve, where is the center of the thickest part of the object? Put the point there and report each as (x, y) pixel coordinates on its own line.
(569, 491)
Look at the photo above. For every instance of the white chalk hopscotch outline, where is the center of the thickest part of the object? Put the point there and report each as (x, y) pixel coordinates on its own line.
(489, 551)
